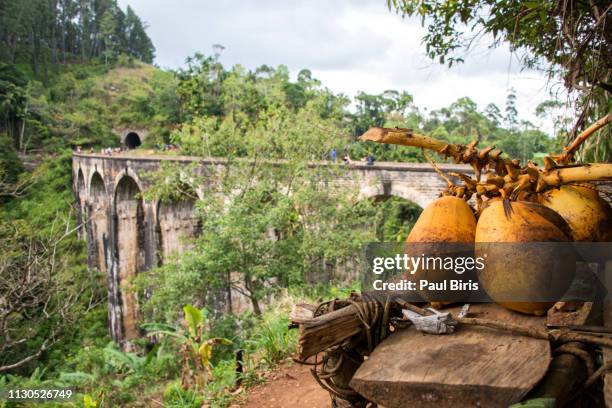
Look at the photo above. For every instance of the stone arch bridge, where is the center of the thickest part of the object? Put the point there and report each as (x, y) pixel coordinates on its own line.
(127, 234)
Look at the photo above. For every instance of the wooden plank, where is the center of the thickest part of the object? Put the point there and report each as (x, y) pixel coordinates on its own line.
(475, 366)
(301, 313)
(322, 332)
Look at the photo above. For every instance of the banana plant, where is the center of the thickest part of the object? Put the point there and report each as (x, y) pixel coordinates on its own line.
(196, 349)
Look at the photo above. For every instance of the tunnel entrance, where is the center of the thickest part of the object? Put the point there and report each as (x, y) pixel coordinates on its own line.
(132, 140)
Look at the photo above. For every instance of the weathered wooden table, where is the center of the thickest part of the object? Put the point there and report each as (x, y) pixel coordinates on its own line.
(473, 367)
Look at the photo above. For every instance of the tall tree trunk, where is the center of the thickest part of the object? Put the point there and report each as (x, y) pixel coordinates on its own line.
(34, 52)
(63, 28)
(13, 48)
(228, 296)
(248, 285)
(22, 146)
(53, 41)
(45, 69)
(13, 132)
(255, 303)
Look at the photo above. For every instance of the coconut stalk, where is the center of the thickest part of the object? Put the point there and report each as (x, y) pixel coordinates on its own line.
(587, 172)
(406, 137)
(467, 154)
(568, 154)
(537, 179)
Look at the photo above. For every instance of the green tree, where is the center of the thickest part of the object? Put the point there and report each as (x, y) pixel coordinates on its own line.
(510, 110)
(303, 90)
(554, 111)
(493, 114)
(108, 28)
(138, 42)
(13, 102)
(374, 110)
(10, 168)
(395, 218)
(44, 287)
(200, 86)
(569, 39)
(265, 225)
(464, 122)
(44, 33)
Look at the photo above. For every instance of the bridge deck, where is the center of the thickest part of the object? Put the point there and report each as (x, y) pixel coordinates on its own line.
(151, 156)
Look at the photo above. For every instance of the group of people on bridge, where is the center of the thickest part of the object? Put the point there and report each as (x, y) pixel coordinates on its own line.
(333, 154)
(346, 159)
(106, 151)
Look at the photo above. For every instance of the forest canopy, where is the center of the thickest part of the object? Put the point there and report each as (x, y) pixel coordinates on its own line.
(42, 33)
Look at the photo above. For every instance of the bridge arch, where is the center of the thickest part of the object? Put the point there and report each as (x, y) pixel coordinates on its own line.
(80, 184)
(96, 173)
(126, 172)
(130, 250)
(98, 210)
(382, 190)
(97, 188)
(396, 217)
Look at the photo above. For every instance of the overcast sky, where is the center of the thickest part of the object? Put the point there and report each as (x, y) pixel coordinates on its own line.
(351, 46)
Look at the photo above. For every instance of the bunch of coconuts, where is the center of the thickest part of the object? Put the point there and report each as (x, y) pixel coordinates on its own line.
(513, 204)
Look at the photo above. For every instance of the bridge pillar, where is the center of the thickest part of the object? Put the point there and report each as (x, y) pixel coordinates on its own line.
(176, 224)
(115, 306)
(130, 249)
(150, 237)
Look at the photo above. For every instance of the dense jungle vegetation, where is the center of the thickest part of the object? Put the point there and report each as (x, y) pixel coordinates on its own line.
(73, 71)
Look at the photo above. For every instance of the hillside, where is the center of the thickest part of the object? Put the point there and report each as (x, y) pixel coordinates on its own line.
(87, 104)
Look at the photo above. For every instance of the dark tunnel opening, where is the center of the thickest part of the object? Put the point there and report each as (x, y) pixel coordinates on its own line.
(132, 140)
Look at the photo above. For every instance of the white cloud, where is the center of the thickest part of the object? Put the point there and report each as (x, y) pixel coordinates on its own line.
(349, 46)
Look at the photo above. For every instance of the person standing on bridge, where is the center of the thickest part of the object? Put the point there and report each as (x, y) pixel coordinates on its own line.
(334, 155)
(346, 159)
